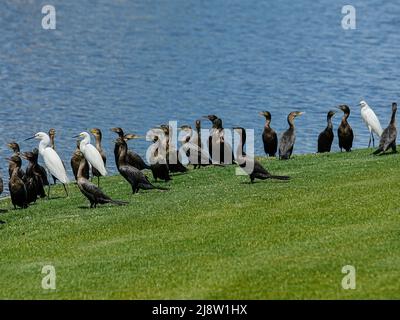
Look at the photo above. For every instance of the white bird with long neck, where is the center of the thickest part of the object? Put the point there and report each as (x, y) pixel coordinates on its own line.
(91, 154)
(51, 159)
(372, 122)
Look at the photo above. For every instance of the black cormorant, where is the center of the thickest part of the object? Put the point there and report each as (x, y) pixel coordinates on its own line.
(389, 135)
(34, 184)
(217, 140)
(325, 138)
(16, 185)
(269, 136)
(288, 138)
(172, 155)
(92, 192)
(134, 176)
(345, 132)
(192, 148)
(15, 148)
(250, 165)
(132, 158)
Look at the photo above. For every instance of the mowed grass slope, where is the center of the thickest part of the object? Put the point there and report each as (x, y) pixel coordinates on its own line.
(214, 236)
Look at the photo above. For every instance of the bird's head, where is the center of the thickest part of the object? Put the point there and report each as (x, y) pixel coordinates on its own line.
(52, 132)
(39, 136)
(363, 104)
(13, 146)
(394, 107)
(118, 131)
(185, 128)
(83, 135)
(28, 155)
(131, 136)
(211, 117)
(265, 114)
(331, 113)
(198, 124)
(344, 108)
(96, 132)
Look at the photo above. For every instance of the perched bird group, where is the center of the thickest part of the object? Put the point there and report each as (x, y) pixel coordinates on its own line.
(89, 161)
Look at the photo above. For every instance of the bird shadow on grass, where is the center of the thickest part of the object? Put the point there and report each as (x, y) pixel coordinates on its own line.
(3, 210)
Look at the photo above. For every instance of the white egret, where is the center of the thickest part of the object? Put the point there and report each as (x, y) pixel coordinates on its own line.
(91, 154)
(372, 122)
(51, 159)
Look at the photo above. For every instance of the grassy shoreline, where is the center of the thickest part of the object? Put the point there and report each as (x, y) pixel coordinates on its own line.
(214, 236)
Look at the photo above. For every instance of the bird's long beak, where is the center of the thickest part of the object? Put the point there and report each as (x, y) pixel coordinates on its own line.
(78, 136)
(33, 137)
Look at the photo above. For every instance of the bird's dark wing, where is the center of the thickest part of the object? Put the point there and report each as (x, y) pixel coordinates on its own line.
(92, 192)
(135, 160)
(286, 143)
(258, 168)
(388, 137)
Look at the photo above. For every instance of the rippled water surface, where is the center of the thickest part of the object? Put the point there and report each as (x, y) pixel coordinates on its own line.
(137, 64)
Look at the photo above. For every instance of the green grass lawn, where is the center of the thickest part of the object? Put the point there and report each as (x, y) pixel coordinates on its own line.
(214, 236)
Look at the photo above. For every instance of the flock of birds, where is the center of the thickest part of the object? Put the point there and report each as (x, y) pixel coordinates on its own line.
(90, 160)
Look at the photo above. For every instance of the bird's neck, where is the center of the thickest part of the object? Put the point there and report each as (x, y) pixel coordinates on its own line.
(81, 167)
(84, 142)
(267, 124)
(345, 117)
(330, 126)
(393, 119)
(122, 154)
(242, 141)
(44, 143)
(52, 142)
(98, 142)
(291, 122)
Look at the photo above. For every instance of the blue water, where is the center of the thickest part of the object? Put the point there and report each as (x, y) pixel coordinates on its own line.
(137, 64)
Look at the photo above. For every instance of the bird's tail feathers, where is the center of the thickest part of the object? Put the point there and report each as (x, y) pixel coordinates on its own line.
(280, 177)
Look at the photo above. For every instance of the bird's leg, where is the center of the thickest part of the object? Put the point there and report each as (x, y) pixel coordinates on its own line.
(65, 188)
(373, 139)
(98, 181)
(369, 143)
(394, 147)
(48, 192)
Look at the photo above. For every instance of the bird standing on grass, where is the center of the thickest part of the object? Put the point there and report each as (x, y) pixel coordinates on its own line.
(134, 176)
(269, 136)
(51, 160)
(250, 165)
(325, 138)
(288, 138)
(190, 145)
(97, 134)
(159, 166)
(52, 136)
(18, 192)
(389, 135)
(216, 141)
(372, 122)
(76, 160)
(15, 148)
(132, 157)
(34, 183)
(91, 154)
(345, 132)
(93, 193)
